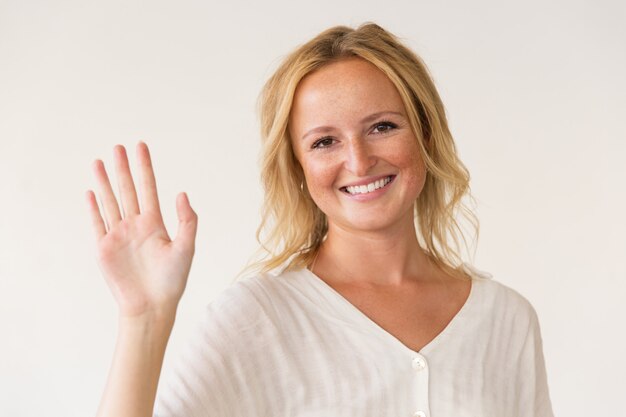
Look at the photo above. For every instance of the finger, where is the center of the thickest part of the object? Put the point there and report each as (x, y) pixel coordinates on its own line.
(149, 197)
(127, 191)
(96, 219)
(109, 202)
(187, 223)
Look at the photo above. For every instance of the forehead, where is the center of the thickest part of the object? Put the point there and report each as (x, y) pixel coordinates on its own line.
(343, 91)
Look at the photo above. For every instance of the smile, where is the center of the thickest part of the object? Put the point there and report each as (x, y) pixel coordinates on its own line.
(368, 188)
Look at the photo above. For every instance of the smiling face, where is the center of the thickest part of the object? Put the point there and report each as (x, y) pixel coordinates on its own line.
(351, 135)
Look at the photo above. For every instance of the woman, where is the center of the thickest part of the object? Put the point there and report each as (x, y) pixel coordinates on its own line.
(372, 312)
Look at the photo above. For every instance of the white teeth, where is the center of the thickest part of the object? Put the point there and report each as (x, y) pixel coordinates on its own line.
(363, 189)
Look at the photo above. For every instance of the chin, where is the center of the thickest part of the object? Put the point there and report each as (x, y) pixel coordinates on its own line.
(375, 224)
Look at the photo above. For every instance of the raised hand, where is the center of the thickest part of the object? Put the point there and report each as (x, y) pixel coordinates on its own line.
(146, 270)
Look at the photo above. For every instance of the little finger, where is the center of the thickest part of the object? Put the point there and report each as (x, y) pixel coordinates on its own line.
(109, 202)
(96, 219)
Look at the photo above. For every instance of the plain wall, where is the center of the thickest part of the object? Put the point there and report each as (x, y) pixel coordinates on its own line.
(536, 98)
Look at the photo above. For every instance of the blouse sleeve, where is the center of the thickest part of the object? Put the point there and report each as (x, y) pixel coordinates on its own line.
(207, 379)
(534, 394)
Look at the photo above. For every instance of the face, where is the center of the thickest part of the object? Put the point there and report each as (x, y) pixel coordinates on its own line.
(351, 135)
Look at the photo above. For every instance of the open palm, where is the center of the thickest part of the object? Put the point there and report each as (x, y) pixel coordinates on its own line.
(146, 270)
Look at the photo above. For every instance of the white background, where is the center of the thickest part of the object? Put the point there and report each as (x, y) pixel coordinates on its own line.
(536, 99)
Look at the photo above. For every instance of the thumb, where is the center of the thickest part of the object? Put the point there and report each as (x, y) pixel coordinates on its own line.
(187, 223)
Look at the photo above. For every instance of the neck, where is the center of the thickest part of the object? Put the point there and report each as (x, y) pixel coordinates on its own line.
(374, 258)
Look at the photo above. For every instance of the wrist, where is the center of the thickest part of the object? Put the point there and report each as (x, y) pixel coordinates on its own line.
(160, 317)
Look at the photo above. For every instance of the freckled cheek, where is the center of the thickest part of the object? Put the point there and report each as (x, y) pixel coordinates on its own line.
(406, 156)
(418, 171)
(416, 182)
(320, 180)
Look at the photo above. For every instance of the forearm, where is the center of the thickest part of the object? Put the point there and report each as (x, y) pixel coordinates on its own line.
(134, 375)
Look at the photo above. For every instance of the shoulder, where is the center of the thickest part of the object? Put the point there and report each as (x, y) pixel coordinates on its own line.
(260, 289)
(505, 320)
(500, 301)
(509, 302)
(254, 300)
(241, 299)
(231, 343)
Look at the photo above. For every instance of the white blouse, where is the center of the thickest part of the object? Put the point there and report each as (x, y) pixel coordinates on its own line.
(290, 345)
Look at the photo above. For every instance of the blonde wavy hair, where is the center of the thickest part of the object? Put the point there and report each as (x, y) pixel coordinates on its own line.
(292, 226)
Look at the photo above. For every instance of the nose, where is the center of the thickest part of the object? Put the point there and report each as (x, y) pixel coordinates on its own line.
(360, 158)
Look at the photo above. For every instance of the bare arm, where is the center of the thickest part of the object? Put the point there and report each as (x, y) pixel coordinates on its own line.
(134, 374)
(147, 274)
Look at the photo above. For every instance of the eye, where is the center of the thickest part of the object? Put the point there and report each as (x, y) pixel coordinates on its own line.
(322, 143)
(385, 126)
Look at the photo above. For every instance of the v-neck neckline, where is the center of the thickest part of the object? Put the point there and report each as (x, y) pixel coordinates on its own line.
(366, 321)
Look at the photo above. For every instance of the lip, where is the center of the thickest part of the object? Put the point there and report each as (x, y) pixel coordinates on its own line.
(367, 181)
(371, 195)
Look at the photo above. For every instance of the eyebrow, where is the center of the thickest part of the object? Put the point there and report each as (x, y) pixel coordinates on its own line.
(370, 118)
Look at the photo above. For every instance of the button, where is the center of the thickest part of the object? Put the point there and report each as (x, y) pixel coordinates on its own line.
(418, 363)
(419, 413)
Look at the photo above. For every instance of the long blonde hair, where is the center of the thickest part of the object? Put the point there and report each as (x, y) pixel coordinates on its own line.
(292, 226)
